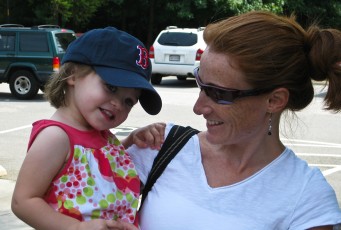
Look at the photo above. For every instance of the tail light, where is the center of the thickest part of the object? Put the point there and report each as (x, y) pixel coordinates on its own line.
(151, 52)
(55, 64)
(198, 55)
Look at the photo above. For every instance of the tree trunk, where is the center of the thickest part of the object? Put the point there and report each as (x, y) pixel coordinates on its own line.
(150, 30)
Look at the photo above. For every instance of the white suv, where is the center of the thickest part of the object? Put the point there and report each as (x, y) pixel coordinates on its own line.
(176, 52)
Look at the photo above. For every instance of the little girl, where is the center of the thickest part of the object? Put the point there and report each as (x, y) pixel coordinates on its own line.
(76, 174)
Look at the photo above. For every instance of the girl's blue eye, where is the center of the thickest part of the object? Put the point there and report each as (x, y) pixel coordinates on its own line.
(129, 102)
(111, 88)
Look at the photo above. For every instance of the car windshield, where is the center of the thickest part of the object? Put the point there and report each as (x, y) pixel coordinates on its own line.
(178, 39)
(63, 40)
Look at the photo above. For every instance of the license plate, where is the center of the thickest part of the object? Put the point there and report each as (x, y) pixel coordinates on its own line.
(174, 57)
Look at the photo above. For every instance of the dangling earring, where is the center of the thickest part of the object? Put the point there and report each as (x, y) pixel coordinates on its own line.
(270, 125)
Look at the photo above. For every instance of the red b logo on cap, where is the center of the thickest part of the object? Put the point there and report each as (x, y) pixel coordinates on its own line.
(143, 62)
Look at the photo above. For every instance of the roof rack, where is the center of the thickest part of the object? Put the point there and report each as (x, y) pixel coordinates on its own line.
(171, 27)
(201, 28)
(46, 27)
(11, 25)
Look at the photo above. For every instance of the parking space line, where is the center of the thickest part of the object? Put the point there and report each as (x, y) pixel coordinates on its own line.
(3, 171)
(335, 168)
(16, 129)
(315, 145)
(324, 165)
(318, 155)
(296, 142)
(331, 171)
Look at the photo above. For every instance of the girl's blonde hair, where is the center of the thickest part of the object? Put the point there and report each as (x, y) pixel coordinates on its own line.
(57, 87)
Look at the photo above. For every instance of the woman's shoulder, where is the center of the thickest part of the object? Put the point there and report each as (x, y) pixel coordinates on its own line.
(298, 172)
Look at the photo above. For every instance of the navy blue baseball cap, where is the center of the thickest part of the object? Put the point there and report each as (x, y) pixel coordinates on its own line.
(119, 59)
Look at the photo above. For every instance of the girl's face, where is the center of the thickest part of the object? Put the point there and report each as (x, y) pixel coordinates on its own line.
(241, 121)
(97, 105)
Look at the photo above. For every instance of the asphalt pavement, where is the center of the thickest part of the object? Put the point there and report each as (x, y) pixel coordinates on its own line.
(320, 148)
(8, 221)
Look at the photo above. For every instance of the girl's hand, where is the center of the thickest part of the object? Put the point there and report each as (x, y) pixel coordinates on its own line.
(100, 224)
(120, 225)
(151, 136)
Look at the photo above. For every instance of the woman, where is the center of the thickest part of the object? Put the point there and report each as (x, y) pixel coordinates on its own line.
(238, 174)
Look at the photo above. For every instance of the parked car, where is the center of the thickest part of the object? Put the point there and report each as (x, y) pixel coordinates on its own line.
(29, 55)
(176, 52)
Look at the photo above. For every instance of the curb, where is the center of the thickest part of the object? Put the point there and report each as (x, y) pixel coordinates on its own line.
(3, 171)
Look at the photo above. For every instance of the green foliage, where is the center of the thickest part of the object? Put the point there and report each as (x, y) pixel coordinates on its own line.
(182, 9)
(64, 12)
(83, 10)
(145, 18)
(327, 13)
(242, 6)
(61, 7)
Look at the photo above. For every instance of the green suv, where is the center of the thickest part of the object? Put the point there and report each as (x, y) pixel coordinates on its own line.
(29, 55)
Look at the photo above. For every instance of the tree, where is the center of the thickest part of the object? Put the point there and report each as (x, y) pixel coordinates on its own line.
(327, 12)
(242, 6)
(145, 18)
(82, 11)
(70, 13)
(49, 12)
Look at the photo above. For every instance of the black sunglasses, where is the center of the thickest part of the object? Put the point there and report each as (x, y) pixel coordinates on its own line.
(226, 96)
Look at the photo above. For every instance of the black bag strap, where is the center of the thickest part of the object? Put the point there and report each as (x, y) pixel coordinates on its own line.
(176, 139)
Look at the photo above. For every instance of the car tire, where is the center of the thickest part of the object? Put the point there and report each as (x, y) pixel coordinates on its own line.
(23, 85)
(181, 78)
(156, 79)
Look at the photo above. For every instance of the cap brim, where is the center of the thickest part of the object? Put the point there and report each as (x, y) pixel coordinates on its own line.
(150, 100)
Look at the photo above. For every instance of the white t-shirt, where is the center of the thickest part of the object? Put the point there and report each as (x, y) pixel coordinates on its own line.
(286, 194)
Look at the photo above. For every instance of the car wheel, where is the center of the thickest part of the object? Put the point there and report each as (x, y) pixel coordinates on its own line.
(181, 78)
(23, 85)
(156, 79)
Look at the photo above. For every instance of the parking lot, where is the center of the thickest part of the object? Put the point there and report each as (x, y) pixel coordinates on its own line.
(315, 136)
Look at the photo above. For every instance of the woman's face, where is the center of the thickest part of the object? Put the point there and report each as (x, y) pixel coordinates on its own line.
(246, 118)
